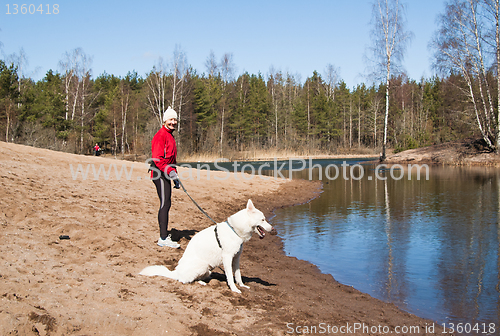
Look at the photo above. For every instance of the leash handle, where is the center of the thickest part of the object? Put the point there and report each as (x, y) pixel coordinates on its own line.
(203, 211)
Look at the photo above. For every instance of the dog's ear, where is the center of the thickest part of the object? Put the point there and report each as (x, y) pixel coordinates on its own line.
(250, 205)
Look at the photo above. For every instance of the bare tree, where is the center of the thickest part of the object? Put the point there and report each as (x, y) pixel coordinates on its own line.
(124, 104)
(179, 71)
(390, 40)
(71, 68)
(226, 72)
(77, 68)
(468, 36)
(211, 64)
(84, 76)
(493, 12)
(331, 75)
(68, 67)
(157, 85)
(21, 62)
(8, 95)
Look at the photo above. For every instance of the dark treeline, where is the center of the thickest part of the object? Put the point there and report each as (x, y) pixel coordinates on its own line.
(70, 111)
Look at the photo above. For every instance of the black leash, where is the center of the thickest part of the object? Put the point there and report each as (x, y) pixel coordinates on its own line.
(203, 211)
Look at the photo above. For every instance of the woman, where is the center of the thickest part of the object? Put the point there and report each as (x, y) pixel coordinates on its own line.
(97, 150)
(164, 156)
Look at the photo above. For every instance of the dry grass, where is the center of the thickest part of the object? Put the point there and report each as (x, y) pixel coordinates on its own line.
(271, 154)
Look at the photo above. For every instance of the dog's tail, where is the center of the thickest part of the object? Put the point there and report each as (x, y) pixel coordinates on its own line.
(159, 270)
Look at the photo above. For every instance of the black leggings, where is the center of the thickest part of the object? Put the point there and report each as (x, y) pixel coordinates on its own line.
(164, 190)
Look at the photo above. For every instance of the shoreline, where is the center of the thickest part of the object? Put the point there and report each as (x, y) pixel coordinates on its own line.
(89, 284)
(467, 152)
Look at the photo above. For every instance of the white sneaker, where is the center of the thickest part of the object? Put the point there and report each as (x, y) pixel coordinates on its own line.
(168, 242)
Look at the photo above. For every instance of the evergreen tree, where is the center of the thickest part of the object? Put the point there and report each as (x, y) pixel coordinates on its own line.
(257, 120)
(49, 106)
(206, 98)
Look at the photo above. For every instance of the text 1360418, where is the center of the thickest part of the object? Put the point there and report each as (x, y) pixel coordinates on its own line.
(13, 9)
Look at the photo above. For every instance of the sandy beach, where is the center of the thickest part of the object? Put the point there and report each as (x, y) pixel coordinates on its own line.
(89, 284)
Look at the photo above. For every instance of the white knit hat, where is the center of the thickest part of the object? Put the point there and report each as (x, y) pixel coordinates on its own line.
(169, 114)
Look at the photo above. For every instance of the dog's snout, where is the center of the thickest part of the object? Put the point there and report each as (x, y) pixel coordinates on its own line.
(273, 231)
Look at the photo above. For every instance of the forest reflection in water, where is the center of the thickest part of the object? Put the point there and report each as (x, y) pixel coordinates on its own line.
(431, 246)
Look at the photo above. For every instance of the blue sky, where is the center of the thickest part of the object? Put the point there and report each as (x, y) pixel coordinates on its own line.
(292, 36)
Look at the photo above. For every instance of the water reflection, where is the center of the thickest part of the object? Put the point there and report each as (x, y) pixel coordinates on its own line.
(430, 246)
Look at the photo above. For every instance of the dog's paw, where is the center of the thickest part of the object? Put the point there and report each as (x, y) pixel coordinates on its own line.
(236, 290)
(201, 282)
(244, 286)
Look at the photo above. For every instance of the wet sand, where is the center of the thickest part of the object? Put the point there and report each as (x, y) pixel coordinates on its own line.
(89, 284)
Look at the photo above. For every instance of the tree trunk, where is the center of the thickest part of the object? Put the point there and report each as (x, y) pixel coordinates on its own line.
(350, 124)
(8, 124)
(124, 107)
(308, 113)
(222, 129)
(386, 118)
(359, 123)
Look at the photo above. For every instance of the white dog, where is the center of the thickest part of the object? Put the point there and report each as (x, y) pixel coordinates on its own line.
(218, 244)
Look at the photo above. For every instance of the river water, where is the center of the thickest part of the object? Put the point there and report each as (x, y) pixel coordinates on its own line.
(425, 240)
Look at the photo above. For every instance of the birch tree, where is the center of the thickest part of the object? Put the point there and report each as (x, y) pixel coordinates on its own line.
(77, 69)
(20, 61)
(331, 76)
(493, 13)
(179, 71)
(84, 75)
(468, 43)
(389, 43)
(226, 72)
(8, 94)
(157, 90)
(124, 108)
(72, 65)
(211, 64)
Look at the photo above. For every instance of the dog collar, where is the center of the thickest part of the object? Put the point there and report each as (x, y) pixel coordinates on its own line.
(227, 222)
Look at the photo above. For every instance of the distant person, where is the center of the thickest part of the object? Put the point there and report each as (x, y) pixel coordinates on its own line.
(164, 159)
(97, 150)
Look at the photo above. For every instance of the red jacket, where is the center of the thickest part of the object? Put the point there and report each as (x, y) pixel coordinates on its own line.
(164, 150)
